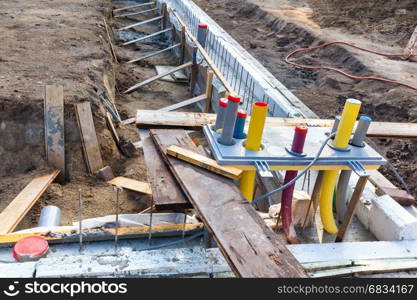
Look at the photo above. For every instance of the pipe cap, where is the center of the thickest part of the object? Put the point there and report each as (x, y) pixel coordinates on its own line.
(223, 102)
(242, 114)
(202, 26)
(233, 98)
(302, 129)
(30, 248)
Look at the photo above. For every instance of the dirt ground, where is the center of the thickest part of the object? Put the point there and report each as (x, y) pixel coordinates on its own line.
(270, 29)
(65, 42)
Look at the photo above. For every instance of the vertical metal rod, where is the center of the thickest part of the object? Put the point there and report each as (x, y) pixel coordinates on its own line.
(150, 220)
(233, 71)
(183, 224)
(116, 236)
(80, 218)
(240, 79)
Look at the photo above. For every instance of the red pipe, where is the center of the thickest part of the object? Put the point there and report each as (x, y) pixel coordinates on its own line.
(287, 194)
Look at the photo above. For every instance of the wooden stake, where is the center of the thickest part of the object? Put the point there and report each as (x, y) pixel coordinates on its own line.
(209, 91)
(360, 186)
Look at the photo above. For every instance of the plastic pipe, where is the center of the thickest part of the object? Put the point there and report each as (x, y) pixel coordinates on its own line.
(50, 216)
(341, 141)
(247, 184)
(240, 125)
(202, 34)
(347, 122)
(253, 143)
(300, 134)
(342, 193)
(221, 112)
(229, 121)
(256, 126)
(361, 130)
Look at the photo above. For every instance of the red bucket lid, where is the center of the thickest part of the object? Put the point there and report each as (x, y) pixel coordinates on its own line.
(30, 248)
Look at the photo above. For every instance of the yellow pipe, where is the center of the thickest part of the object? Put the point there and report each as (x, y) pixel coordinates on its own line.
(253, 143)
(347, 122)
(247, 184)
(256, 126)
(341, 141)
(326, 200)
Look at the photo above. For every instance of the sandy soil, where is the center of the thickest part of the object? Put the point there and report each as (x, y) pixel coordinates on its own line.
(57, 42)
(276, 28)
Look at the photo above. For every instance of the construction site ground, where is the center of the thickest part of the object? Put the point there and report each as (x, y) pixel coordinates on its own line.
(65, 42)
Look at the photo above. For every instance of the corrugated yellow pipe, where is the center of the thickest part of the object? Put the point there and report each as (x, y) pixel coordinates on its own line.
(253, 142)
(341, 141)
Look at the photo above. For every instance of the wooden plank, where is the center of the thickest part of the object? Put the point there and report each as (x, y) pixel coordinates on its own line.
(154, 119)
(209, 91)
(24, 201)
(184, 103)
(54, 129)
(166, 192)
(204, 162)
(249, 246)
(58, 235)
(131, 184)
(156, 77)
(88, 135)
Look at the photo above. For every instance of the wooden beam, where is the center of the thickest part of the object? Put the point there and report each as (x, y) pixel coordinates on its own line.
(183, 103)
(249, 246)
(166, 192)
(54, 129)
(134, 6)
(11, 216)
(146, 37)
(88, 135)
(156, 77)
(152, 119)
(113, 51)
(136, 13)
(141, 23)
(203, 52)
(204, 162)
(101, 234)
(353, 203)
(209, 91)
(131, 184)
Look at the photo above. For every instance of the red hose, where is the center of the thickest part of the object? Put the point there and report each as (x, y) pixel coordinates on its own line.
(347, 74)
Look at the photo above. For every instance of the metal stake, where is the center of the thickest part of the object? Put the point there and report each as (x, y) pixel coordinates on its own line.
(80, 218)
(117, 189)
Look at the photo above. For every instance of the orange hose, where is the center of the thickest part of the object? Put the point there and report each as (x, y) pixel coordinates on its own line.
(347, 74)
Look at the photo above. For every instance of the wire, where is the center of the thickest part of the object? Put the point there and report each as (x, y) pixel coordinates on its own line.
(289, 183)
(407, 55)
(187, 239)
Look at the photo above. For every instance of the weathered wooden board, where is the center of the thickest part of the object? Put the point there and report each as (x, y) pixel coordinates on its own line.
(249, 246)
(54, 129)
(88, 135)
(24, 201)
(166, 192)
(131, 184)
(158, 119)
(204, 162)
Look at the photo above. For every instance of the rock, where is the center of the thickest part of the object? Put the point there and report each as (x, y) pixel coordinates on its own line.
(105, 174)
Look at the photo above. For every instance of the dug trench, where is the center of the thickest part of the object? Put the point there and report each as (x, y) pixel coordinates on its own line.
(270, 30)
